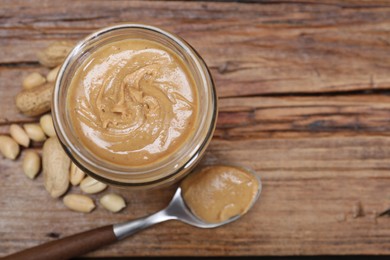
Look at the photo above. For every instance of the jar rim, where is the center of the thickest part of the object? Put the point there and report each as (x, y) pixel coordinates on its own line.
(90, 167)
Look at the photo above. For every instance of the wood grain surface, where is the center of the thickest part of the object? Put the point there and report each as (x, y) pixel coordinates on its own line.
(304, 100)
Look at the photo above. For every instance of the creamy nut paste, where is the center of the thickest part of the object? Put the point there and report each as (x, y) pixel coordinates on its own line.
(133, 102)
(217, 193)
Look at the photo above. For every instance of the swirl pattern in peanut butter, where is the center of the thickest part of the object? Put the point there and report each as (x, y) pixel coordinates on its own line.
(133, 103)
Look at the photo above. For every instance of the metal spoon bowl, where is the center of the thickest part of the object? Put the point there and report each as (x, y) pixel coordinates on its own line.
(85, 242)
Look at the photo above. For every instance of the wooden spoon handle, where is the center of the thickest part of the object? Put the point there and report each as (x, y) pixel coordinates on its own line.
(68, 247)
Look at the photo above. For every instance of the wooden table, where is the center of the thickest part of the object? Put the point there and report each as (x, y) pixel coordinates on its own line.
(304, 101)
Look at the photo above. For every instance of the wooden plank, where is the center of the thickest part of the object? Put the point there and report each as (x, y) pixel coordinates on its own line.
(303, 116)
(312, 187)
(277, 48)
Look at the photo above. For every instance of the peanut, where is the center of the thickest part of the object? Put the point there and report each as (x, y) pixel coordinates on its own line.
(31, 164)
(36, 101)
(9, 147)
(55, 53)
(55, 164)
(19, 135)
(90, 185)
(33, 80)
(35, 132)
(46, 122)
(52, 75)
(113, 202)
(80, 203)
(76, 175)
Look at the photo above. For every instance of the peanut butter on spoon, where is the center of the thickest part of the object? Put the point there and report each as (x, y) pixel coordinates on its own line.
(218, 193)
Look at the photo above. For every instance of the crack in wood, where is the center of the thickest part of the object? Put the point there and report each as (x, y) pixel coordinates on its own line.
(315, 94)
(53, 235)
(279, 2)
(20, 64)
(384, 213)
(7, 122)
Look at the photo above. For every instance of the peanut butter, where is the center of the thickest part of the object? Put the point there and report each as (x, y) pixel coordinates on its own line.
(133, 102)
(218, 193)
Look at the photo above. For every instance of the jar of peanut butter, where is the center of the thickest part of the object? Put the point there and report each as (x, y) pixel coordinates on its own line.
(134, 106)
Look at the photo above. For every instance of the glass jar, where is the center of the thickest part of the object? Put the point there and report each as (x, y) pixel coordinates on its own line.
(163, 172)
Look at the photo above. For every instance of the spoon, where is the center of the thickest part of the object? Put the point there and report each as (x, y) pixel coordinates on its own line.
(85, 242)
